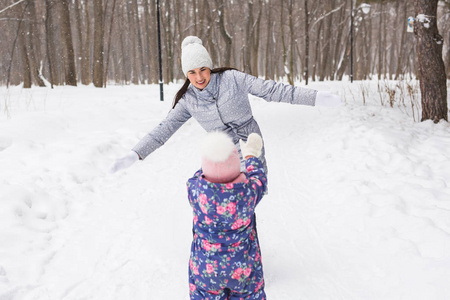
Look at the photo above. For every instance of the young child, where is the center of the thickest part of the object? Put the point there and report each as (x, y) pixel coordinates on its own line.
(225, 260)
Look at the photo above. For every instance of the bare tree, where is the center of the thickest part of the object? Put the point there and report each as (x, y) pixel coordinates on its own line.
(86, 58)
(98, 44)
(267, 71)
(50, 41)
(26, 68)
(297, 39)
(338, 49)
(82, 44)
(124, 57)
(111, 25)
(32, 43)
(448, 56)
(20, 39)
(256, 41)
(167, 24)
(316, 60)
(151, 38)
(220, 4)
(401, 49)
(307, 23)
(380, 41)
(327, 35)
(67, 43)
(140, 47)
(291, 41)
(433, 83)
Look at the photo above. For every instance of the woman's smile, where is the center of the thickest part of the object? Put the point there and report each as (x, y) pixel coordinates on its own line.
(199, 77)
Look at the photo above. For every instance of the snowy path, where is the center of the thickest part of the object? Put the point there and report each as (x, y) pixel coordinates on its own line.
(358, 208)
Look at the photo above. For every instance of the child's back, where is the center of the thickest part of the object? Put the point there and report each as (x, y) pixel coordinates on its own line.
(225, 255)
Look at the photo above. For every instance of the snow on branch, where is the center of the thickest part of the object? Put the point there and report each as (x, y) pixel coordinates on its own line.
(12, 5)
(326, 15)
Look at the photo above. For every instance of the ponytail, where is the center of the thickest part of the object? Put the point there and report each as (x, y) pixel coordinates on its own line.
(185, 86)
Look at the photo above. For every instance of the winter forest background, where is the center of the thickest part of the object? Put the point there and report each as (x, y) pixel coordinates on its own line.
(115, 41)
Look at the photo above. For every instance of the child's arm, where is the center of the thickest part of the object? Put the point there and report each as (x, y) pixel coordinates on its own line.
(256, 175)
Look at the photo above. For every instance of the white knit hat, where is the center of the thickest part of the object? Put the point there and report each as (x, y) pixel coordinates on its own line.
(194, 55)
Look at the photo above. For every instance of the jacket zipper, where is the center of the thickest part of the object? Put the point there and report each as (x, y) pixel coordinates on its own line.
(218, 112)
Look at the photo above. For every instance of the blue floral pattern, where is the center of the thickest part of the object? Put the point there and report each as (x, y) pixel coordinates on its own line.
(225, 255)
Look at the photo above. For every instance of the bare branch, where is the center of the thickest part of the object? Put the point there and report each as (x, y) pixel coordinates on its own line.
(326, 15)
(12, 5)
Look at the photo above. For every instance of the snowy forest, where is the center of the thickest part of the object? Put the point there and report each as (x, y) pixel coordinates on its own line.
(116, 41)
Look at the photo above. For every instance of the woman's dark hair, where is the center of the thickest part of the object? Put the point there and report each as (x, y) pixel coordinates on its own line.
(185, 86)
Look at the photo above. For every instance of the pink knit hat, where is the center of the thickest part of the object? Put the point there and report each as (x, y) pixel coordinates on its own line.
(220, 158)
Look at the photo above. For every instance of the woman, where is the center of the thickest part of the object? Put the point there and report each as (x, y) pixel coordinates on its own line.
(218, 100)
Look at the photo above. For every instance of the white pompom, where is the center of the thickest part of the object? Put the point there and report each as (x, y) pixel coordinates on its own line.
(191, 40)
(217, 146)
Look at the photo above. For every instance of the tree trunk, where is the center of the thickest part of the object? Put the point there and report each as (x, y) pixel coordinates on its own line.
(98, 44)
(401, 49)
(85, 60)
(306, 64)
(220, 4)
(255, 45)
(79, 32)
(154, 40)
(339, 43)
(397, 23)
(367, 51)
(123, 44)
(269, 36)
(132, 37)
(166, 19)
(26, 69)
(50, 41)
(248, 37)
(433, 83)
(291, 43)
(194, 12)
(380, 42)
(152, 57)
(316, 60)
(139, 49)
(108, 52)
(209, 33)
(70, 72)
(448, 56)
(33, 44)
(326, 51)
(284, 50)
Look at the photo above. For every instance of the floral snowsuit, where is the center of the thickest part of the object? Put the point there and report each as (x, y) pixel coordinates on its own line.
(225, 260)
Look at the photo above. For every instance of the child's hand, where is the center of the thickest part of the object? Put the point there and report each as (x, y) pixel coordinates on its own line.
(252, 147)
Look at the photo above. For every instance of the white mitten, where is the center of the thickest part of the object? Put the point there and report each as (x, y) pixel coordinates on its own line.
(253, 145)
(124, 162)
(328, 99)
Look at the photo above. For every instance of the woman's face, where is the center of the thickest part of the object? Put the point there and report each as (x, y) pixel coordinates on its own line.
(199, 77)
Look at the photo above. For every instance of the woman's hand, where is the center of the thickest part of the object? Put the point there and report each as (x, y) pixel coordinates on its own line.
(124, 162)
(328, 99)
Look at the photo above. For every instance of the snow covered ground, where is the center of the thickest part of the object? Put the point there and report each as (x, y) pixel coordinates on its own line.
(358, 208)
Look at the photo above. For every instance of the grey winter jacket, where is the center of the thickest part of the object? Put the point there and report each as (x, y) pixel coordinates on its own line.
(224, 106)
